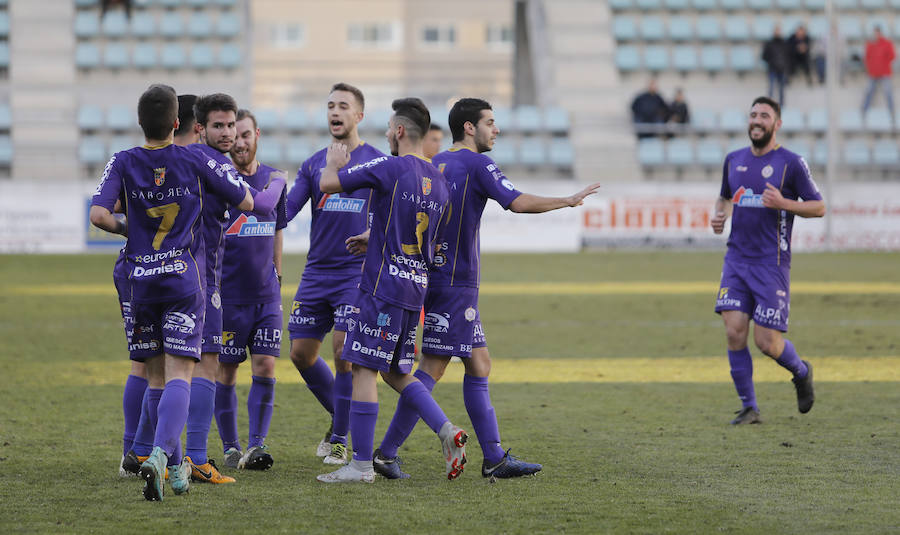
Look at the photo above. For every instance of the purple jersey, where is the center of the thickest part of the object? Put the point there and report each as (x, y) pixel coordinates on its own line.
(472, 178)
(761, 235)
(335, 216)
(248, 268)
(215, 214)
(162, 189)
(409, 198)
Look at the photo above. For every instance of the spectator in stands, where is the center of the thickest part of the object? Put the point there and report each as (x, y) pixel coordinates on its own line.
(879, 55)
(434, 138)
(820, 48)
(678, 110)
(648, 109)
(777, 56)
(799, 44)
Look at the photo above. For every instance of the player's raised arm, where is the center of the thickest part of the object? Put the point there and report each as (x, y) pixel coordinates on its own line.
(336, 157)
(527, 203)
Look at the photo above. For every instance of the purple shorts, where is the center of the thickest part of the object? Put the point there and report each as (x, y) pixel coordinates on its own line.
(452, 324)
(257, 326)
(322, 303)
(760, 290)
(212, 327)
(168, 327)
(381, 336)
(125, 307)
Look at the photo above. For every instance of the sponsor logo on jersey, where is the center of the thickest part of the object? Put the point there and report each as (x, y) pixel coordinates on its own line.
(507, 184)
(159, 176)
(272, 336)
(725, 301)
(417, 278)
(769, 314)
(371, 351)
(365, 165)
(439, 323)
(746, 198)
(156, 257)
(245, 226)
(426, 185)
(377, 332)
(741, 168)
(179, 322)
(177, 267)
(152, 345)
(440, 259)
(336, 203)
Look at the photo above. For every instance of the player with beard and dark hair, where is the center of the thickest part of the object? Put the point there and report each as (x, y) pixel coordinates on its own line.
(763, 187)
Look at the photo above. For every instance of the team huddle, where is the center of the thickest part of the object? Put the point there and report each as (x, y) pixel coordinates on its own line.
(392, 237)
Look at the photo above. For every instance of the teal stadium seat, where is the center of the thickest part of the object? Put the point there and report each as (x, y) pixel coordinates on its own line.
(532, 152)
(144, 56)
(200, 25)
(120, 143)
(620, 5)
(712, 58)
(298, 150)
(87, 56)
(763, 27)
(801, 147)
(818, 26)
(886, 153)
(504, 152)
(681, 28)
(628, 58)
(87, 24)
(878, 120)
(708, 28)
(704, 5)
(759, 5)
(736, 28)
(736, 143)
(198, 3)
(653, 28)
(296, 120)
(814, 5)
(90, 118)
(527, 119)
(171, 24)
(703, 120)
(789, 5)
(651, 152)
(793, 121)
(648, 5)
(92, 150)
(121, 118)
(817, 120)
(169, 3)
(624, 28)
(270, 152)
(680, 152)
(86, 3)
(230, 56)
(656, 58)
(267, 119)
(503, 118)
(228, 25)
(846, 5)
(732, 5)
(115, 24)
(744, 58)
(894, 4)
(677, 5)
(173, 56)
(856, 153)
(820, 153)
(710, 153)
(143, 24)
(5, 117)
(733, 120)
(6, 151)
(201, 56)
(225, 3)
(790, 24)
(115, 55)
(561, 154)
(851, 120)
(684, 58)
(556, 120)
(377, 120)
(4, 55)
(851, 28)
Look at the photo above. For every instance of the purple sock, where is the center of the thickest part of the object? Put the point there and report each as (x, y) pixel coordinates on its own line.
(132, 401)
(419, 397)
(791, 361)
(226, 416)
(173, 412)
(321, 383)
(259, 409)
(363, 416)
(146, 429)
(200, 413)
(742, 374)
(477, 399)
(404, 421)
(343, 389)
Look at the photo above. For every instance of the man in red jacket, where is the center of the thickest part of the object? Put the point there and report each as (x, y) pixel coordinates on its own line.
(879, 55)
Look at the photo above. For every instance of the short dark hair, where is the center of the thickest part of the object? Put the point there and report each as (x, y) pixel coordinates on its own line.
(414, 114)
(214, 102)
(360, 99)
(435, 127)
(157, 111)
(769, 102)
(185, 114)
(465, 110)
(244, 114)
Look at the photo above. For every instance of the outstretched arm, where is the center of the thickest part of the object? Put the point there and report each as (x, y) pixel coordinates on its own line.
(536, 204)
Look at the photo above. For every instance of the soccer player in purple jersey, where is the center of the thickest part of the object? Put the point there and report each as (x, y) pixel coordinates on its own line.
(251, 301)
(409, 202)
(433, 141)
(452, 322)
(162, 187)
(327, 291)
(763, 187)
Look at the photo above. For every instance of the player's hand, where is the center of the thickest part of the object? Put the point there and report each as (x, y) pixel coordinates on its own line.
(718, 222)
(578, 198)
(357, 245)
(772, 197)
(337, 156)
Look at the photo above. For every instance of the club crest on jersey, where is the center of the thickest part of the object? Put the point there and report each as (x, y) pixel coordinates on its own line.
(426, 185)
(159, 176)
(767, 171)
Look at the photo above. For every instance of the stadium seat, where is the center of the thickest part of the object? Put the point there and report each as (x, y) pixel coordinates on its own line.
(703, 5)
(732, 5)
(736, 28)
(173, 56)
(878, 120)
(624, 28)
(894, 4)
(121, 118)
(296, 120)
(652, 28)
(817, 121)
(733, 120)
(793, 120)
(886, 153)
(763, 27)
(86, 3)
(114, 24)
(872, 5)
(850, 28)
(676, 5)
(532, 152)
(298, 150)
(171, 24)
(270, 152)
(736, 143)
(144, 55)
(4, 55)
(759, 5)
(527, 119)
(90, 118)
(710, 153)
(556, 120)
(851, 120)
(6, 151)
(200, 25)
(5, 117)
(4, 24)
(120, 143)
(230, 56)
(201, 56)
(226, 3)
(620, 5)
(92, 151)
(712, 58)
(684, 58)
(820, 153)
(198, 3)
(708, 28)
(378, 119)
(651, 152)
(504, 152)
(818, 26)
(814, 5)
(680, 28)
(703, 120)
(656, 58)
(267, 119)
(789, 5)
(143, 24)
(846, 5)
(87, 24)
(628, 58)
(228, 25)
(115, 55)
(87, 56)
(801, 147)
(856, 153)
(648, 5)
(744, 58)
(680, 152)
(561, 154)
(169, 3)
(790, 24)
